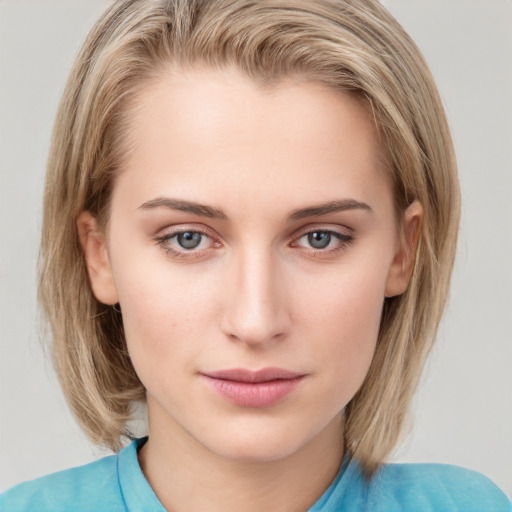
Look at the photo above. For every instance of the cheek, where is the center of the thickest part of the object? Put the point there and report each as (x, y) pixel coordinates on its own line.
(343, 315)
(348, 299)
(167, 317)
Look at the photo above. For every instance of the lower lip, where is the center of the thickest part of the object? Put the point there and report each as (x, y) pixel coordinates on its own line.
(254, 394)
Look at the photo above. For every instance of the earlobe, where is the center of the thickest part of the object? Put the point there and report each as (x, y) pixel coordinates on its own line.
(93, 243)
(403, 262)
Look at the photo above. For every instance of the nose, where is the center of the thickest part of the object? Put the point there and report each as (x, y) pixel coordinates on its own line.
(255, 309)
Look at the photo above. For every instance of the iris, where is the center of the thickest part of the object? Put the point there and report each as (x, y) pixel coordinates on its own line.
(189, 239)
(319, 239)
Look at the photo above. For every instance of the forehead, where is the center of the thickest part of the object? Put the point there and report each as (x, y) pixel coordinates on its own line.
(189, 129)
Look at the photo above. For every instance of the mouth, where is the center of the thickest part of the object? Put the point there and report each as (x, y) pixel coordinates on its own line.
(247, 388)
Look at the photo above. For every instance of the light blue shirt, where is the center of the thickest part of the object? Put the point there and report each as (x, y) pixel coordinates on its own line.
(116, 484)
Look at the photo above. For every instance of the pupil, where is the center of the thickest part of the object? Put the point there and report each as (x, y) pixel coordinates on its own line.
(319, 239)
(189, 240)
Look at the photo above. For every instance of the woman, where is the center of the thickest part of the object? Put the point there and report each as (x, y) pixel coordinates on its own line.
(264, 207)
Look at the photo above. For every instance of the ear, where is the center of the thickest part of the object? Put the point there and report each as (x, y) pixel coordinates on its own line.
(403, 262)
(93, 243)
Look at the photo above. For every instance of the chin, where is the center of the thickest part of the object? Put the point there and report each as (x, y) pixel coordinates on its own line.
(257, 451)
(258, 442)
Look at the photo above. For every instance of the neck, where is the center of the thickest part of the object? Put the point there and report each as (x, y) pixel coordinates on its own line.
(186, 475)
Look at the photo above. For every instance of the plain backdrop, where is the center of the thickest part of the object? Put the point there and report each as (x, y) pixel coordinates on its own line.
(463, 410)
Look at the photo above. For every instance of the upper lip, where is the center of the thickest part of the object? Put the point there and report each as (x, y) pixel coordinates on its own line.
(245, 375)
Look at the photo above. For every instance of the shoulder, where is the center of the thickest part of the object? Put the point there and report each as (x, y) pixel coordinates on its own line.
(94, 486)
(436, 487)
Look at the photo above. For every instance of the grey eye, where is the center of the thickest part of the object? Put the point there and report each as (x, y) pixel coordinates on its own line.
(319, 239)
(189, 239)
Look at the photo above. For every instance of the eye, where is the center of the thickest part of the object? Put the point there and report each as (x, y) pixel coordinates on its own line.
(187, 240)
(183, 243)
(323, 240)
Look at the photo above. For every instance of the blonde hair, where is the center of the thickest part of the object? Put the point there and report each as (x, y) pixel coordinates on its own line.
(354, 46)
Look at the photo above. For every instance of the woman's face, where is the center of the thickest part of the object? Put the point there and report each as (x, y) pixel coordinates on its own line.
(250, 230)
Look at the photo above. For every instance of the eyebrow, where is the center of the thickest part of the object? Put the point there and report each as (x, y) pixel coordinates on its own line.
(184, 206)
(330, 207)
(215, 213)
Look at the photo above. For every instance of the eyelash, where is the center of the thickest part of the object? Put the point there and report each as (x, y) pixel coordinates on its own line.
(163, 241)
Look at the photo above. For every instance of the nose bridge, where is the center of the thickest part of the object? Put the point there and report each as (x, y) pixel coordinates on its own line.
(255, 312)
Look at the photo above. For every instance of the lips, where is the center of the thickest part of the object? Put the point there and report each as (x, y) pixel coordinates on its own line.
(247, 388)
(264, 375)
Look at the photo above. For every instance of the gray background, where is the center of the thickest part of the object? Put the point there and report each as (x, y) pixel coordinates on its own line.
(463, 411)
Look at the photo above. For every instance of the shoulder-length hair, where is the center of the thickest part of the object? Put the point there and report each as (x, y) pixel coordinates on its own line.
(354, 46)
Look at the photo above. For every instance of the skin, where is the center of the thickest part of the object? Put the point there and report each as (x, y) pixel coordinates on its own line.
(255, 293)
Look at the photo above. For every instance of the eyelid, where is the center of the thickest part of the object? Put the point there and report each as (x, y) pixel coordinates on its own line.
(176, 229)
(328, 228)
